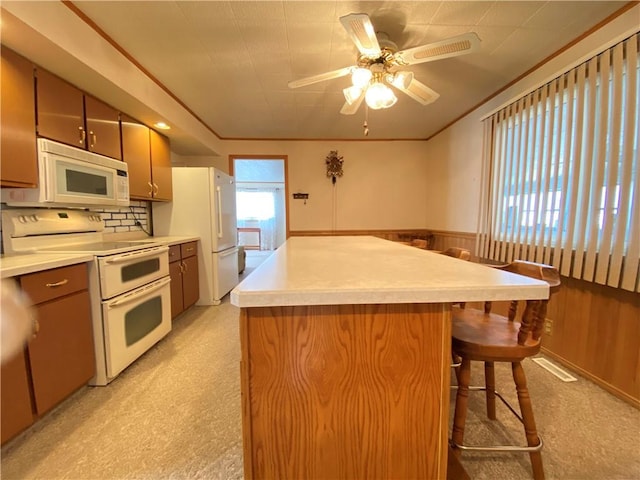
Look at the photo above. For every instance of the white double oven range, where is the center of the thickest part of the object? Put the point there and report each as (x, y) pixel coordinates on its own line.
(128, 280)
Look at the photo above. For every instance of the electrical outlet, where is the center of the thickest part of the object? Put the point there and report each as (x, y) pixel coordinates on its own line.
(548, 327)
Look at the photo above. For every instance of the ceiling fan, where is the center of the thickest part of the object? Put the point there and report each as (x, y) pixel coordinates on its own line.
(380, 65)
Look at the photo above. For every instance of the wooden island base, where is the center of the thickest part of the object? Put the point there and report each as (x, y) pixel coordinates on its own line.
(346, 391)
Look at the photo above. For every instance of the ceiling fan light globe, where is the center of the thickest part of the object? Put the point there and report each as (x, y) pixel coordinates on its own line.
(380, 96)
(352, 94)
(361, 77)
(402, 80)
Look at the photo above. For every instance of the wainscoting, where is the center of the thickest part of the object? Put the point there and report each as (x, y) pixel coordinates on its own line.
(595, 329)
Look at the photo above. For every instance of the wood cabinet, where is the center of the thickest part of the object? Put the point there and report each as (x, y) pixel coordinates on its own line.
(67, 115)
(160, 166)
(18, 161)
(16, 412)
(61, 355)
(60, 358)
(148, 157)
(103, 128)
(183, 270)
(136, 152)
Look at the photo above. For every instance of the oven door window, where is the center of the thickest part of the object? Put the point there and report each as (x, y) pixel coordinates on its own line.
(142, 320)
(141, 269)
(122, 273)
(133, 322)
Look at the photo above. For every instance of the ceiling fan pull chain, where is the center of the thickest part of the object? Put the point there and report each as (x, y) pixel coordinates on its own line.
(366, 117)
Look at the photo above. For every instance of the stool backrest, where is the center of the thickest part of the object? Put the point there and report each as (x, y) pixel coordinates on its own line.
(461, 253)
(535, 312)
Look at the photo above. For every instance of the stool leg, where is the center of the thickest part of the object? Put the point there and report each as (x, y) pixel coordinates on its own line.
(527, 416)
(490, 383)
(462, 397)
(455, 360)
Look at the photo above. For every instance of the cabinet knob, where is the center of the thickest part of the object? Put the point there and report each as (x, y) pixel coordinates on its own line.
(94, 139)
(83, 135)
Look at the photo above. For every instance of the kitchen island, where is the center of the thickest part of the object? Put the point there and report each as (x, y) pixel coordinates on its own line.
(346, 354)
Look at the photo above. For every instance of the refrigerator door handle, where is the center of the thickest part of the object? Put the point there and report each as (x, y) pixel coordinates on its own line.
(219, 194)
(229, 252)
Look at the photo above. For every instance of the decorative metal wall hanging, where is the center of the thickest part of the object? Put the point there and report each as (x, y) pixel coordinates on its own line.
(334, 165)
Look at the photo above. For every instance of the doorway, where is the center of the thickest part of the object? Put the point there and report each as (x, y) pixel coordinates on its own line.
(262, 203)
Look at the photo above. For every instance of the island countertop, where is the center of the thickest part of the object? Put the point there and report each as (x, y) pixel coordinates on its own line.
(368, 270)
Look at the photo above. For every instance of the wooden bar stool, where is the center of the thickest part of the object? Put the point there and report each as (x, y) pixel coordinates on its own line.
(456, 252)
(487, 337)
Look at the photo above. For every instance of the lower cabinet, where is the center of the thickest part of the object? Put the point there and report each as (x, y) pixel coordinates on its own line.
(16, 412)
(60, 358)
(183, 269)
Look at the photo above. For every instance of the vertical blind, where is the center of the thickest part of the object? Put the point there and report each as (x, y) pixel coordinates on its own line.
(560, 179)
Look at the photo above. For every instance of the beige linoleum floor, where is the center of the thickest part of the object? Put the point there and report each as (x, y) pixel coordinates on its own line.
(175, 414)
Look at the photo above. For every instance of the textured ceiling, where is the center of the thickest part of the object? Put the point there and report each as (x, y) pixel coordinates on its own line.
(229, 62)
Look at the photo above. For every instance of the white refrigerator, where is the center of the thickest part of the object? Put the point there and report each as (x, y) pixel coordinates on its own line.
(204, 204)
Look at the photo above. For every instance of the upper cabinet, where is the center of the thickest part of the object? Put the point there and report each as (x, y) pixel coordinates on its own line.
(137, 154)
(160, 166)
(60, 110)
(103, 128)
(66, 115)
(148, 158)
(18, 161)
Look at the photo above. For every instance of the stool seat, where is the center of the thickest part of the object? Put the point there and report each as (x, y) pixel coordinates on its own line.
(488, 337)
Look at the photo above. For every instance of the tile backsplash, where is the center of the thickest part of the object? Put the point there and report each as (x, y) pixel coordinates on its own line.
(120, 220)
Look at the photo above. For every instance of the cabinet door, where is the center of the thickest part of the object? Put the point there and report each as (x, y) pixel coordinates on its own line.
(160, 166)
(16, 412)
(190, 283)
(18, 162)
(61, 356)
(103, 128)
(60, 112)
(137, 154)
(175, 273)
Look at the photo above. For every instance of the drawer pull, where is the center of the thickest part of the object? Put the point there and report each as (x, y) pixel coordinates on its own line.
(189, 249)
(57, 284)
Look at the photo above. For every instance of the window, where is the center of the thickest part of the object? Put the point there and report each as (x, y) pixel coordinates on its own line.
(561, 166)
(255, 205)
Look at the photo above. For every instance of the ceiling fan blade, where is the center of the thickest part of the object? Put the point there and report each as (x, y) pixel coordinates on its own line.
(451, 47)
(419, 92)
(360, 29)
(351, 108)
(320, 77)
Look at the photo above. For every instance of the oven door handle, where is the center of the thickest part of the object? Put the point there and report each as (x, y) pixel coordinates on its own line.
(126, 257)
(140, 292)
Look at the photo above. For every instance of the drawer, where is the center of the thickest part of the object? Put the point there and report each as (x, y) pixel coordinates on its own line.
(57, 282)
(174, 253)
(188, 249)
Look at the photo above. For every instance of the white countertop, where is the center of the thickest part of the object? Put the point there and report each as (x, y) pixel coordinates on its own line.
(369, 270)
(14, 265)
(140, 237)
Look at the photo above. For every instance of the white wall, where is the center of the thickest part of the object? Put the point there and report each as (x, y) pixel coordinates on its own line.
(455, 155)
(383, 186)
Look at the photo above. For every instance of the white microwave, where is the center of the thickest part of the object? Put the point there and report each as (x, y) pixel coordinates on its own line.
(70, 176)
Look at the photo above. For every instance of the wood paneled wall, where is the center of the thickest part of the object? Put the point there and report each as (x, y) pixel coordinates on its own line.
(595, 330)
